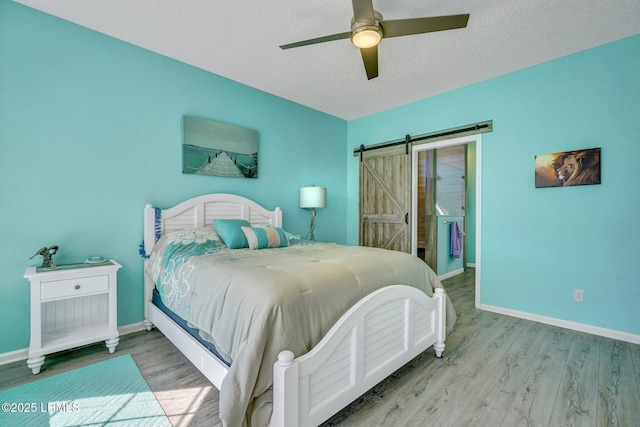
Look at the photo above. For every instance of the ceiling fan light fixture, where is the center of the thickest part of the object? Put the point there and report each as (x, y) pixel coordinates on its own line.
(368, 29)
(366, 36)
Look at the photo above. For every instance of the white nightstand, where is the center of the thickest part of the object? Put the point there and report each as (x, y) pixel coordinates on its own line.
(71, 306)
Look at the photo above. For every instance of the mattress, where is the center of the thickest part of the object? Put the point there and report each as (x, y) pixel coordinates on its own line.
(194, 332)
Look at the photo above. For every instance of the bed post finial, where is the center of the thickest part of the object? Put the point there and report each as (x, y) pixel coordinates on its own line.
(285, 358)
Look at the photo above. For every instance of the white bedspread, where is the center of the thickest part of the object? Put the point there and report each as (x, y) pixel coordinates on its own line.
(252, 304)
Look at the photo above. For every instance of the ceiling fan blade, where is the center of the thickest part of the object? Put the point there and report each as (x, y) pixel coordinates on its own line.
(405, 27)
(317, 40)
(363, 11)
(370, 59)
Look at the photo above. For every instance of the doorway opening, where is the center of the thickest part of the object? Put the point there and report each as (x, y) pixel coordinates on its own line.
(446, 186)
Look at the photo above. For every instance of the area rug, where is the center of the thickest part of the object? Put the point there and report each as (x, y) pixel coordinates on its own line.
(109, 393)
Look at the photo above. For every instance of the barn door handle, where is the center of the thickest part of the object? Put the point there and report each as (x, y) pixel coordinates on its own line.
(406, 218)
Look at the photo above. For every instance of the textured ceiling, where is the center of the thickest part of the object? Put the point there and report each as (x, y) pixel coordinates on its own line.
(239, 40)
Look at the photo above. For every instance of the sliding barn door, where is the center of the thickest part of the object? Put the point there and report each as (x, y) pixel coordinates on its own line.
(385, 198)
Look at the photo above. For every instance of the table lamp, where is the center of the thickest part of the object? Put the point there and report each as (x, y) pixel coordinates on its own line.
(313, 197)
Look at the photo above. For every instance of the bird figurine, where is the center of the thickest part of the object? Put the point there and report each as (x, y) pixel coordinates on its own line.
(47, 254)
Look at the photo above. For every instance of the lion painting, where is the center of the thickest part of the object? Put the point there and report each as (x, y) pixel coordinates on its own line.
(581, 167)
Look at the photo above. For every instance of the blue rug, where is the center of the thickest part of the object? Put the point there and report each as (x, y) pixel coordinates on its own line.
(110, 393)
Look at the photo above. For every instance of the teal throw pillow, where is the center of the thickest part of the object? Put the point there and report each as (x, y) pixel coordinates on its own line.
(230, 231)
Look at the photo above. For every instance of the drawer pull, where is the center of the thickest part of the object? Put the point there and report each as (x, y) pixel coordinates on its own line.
(77, 286)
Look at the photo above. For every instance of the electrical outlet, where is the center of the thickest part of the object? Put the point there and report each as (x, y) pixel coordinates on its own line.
(578, 295)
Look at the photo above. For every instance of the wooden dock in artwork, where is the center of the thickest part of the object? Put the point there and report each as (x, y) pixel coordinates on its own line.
(220, 165)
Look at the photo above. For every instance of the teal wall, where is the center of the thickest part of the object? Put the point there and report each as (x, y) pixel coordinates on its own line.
(90, 131)
(538, 245)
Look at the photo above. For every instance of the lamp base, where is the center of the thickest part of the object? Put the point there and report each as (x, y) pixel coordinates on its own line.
(312, 227)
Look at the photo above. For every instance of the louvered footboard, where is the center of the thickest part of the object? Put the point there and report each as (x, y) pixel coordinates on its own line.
(377, 336)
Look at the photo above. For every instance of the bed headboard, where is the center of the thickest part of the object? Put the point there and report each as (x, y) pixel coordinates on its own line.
(198, 212)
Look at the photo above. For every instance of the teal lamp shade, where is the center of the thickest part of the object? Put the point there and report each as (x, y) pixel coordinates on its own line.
(313, 197)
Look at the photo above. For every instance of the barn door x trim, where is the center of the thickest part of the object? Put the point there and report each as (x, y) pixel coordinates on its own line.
(385, 198)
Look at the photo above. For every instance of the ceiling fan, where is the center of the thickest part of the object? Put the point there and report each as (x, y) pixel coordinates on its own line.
(368, 29)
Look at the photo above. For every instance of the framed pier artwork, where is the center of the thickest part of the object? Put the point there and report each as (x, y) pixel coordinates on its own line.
(220, 149)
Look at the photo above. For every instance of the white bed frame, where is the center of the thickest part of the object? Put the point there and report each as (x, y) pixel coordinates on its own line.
(377, 336)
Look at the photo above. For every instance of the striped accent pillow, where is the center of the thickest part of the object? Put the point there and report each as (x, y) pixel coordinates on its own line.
(265, 237)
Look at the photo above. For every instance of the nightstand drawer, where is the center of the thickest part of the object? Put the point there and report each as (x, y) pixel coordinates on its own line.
(78, 287)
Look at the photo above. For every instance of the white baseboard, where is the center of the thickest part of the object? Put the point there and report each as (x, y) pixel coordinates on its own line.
(580, 327)
(22, 354)
(129, 329)
(451, 274)
(471, 264)
(13, 356)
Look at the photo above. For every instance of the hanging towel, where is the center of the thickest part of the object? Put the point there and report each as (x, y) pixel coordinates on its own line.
(456, 238)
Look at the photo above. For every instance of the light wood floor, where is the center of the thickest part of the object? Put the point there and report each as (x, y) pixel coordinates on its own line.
(496, 371)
